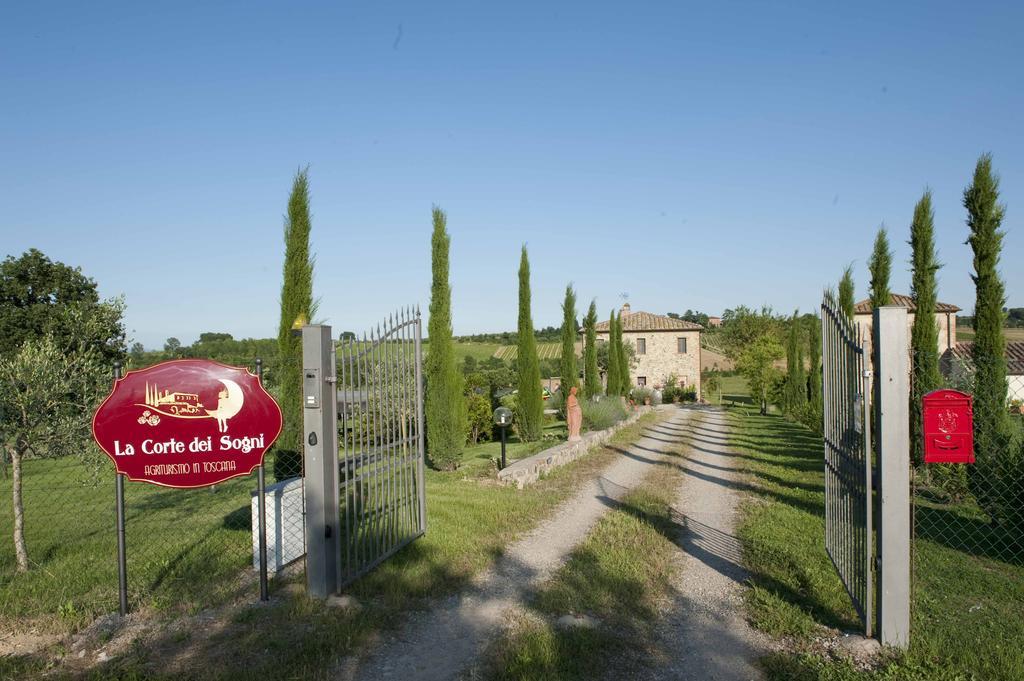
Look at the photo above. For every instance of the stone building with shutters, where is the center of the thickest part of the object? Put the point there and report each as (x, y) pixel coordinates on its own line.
(664, 346)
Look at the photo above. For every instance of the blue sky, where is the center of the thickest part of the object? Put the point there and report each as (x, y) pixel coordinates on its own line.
(691, 155)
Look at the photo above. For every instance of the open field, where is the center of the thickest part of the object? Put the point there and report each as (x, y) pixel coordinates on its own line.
(478, 351)
(966, 333)
(968, 610)
(544, 351)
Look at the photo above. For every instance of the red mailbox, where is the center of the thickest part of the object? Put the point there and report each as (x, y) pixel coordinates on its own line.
(948, 417)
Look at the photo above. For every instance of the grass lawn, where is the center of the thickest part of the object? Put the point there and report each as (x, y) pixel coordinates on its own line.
(469, 520)
(171, 536)
(968, 617)
(618, 575)
(480, 459)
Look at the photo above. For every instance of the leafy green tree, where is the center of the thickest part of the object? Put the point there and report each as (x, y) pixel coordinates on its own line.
(713, 383)
(592, 377)
(478, 418)
(530, 403)
(34, 291)
(614, 357)
(924, 334)
(297, 309)
(756, 363)
(172, 347)
(880, 266)
(570, 331)
(48, 391)
(991, 420)
(846, 293)
(445, 403)
(747, 325)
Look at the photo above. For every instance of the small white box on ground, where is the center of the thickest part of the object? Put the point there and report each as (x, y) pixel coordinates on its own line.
(286, 536)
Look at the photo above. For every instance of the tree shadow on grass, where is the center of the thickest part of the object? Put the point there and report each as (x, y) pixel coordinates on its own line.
(952, 526)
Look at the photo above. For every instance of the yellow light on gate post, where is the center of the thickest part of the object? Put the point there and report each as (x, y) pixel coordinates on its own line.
(503, 419)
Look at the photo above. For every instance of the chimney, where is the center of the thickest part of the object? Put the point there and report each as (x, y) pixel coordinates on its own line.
(624, 312)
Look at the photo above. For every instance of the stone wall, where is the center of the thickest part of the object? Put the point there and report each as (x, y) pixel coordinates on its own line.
(529, 470)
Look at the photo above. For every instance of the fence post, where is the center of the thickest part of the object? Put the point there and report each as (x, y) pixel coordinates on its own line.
(421, 487)
(893, 443)
(261, 510)
(320, 459)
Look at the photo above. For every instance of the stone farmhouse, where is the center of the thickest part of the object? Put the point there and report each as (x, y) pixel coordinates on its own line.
(957, 359)
(664, 346)
(959, 362)
(945, 318)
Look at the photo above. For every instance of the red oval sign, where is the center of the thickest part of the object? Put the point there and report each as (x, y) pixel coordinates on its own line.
(187, 423)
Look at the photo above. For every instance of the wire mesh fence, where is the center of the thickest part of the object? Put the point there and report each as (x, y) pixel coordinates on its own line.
(186, 548)
(968, 517)
(977, 508)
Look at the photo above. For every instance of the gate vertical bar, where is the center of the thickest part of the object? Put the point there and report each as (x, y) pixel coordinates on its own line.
(122, 551)
(332, 455)
(261, 510)
(320, 458)
(361, 488)
(421, 444)
(893, 388)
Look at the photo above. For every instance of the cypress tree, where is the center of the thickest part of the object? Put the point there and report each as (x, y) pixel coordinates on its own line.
(297, 308)
(592, 385)
(846, 303)
(924, 335)
(612, 377)
(991, 420)
(624, 380)
(445, 407)
(795, 395)
(530, 405)
(814, 387)
(570, 374)
(880, 266)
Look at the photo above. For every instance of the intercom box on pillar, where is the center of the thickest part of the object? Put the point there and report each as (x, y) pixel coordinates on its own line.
(948, 420)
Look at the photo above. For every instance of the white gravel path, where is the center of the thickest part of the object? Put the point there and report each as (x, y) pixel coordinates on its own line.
(704, 634)
(439, 644)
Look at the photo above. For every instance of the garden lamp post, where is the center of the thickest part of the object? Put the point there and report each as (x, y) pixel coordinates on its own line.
(503, 419)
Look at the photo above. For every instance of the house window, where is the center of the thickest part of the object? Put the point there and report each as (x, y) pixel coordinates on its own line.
(641, 346)
(641, 381)
(681, 345)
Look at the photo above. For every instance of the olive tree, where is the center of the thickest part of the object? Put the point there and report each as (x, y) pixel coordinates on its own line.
(48, 393)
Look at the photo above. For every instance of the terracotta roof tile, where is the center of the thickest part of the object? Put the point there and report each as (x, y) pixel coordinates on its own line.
(646, 321)
(864, 306)
(964, 352)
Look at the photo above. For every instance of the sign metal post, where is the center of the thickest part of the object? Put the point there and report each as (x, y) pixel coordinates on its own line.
(122, 558)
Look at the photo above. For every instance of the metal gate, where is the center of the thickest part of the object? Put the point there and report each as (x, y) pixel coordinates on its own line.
(380, 419)
(848, 494)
